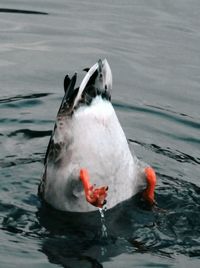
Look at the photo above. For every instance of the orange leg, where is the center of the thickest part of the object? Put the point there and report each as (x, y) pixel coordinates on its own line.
(95, 196)
(148, 193)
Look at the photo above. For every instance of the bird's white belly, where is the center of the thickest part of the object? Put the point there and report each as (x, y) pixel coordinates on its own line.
(100, 146)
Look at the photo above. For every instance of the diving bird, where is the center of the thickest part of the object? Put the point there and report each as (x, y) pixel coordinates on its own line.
(88, 161)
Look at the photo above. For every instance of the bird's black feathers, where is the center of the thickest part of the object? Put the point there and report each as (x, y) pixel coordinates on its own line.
(66, 82)
(67, 105)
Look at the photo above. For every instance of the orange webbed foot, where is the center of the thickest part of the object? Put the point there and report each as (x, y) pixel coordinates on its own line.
(95, 196)
(148, 193)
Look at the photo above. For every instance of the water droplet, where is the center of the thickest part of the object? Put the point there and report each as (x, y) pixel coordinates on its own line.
(104, 232)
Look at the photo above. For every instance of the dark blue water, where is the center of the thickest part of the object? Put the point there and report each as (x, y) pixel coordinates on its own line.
(153, 49)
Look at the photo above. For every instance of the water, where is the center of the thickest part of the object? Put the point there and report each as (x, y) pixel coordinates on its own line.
(104, 232)
(153, 49)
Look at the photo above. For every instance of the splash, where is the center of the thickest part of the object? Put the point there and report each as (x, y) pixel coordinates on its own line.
(104, 233)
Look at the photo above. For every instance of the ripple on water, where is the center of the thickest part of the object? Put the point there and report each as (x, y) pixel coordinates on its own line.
(131, 227)
(23, 97)
(154, 52)
(21, 11)
(76, 239)
(177, 155)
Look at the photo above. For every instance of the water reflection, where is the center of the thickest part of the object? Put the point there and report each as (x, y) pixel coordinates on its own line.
(131, 226)
(76, 240)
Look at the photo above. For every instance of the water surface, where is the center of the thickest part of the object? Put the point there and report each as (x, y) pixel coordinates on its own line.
(153, 49)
